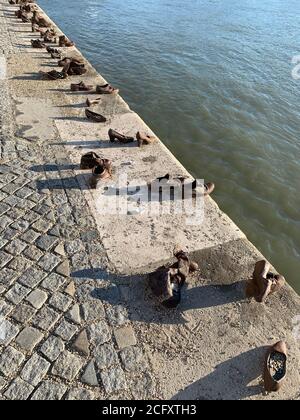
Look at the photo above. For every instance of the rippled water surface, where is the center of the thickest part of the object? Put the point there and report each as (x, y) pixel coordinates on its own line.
(213, 79)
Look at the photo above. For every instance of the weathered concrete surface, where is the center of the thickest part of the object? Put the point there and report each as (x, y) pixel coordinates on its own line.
(211, 347)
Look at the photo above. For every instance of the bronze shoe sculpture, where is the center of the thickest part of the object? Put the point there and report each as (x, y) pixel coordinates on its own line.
(89, 102)
(115, 136)
(90, 160)
(81, 87)
(100, 173)
(94, 116)
(65, 42)
(54, 75)
(106, 89)
(144, 138)
(263, 283)
(167, 282)
(37, 43)
(275, 367)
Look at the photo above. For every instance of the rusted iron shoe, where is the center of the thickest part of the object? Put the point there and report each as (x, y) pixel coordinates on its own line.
(100, 173)
(90, 160)
(275, 367)
(81, 87)
(37, 43)
(263, 282)
(54, 75)
(106, 89)
(94, 116)
(115, 136)
(144, 138)
(65, 42)
(167, 282)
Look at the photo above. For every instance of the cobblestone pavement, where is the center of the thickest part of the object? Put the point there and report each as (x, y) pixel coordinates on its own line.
(64, 328)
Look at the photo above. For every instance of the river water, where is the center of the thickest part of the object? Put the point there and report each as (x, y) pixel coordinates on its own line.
(213, 79)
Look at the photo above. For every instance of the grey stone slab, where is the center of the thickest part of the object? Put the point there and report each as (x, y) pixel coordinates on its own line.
(74, 314)
(20, 264)
(17, 293)
(49, 391)
(37, 298)
(5, 308)
(20, 225)
(5, 222)
(29, 338)
(52, 348)
(117, 315)
(49, 262)
(30, 236)
(125, 337)
(10, 361)
(19, 390)
(89, 376)
(4, 258)
(53, 282)
(92, 310)
(67, 366)
(46, 318)
(42, 225)
(113, 380)
(66, 330)
(46, 242)
(80, 394)
(23, 313)
(7, 276)
(16, 247)
(32, 277)
(60, 301)
(8, 331)
(81, 344)
(105, 356)
(99, 333)
(35, 369)
(10, 234)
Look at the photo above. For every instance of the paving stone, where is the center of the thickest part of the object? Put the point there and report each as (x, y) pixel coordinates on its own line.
(63, 269)
(4, 258)
(20, 225)
(5, 222)
(31, 217)
(125, 337)
(113, 380)
(3, 208)
(67, 366)
(5, 308)
(60, 249)
(10, 361)
(46, 318)
(65, 330)
(79, 261)
(89, 376)
(7, 276)
(16, 247)
(80, 394)
(72, 247)
(3, 242)
(84, 292)
(52, 348)
(60, 301)
(10, 234)
(17, 293)
(92, 311)
(19, 390)
(24, 192)
(32, 277)
(99, 333)
(15, 214)
(3, 383)
(29, 338)
(133, 359)
(2, 289)
(49, 262)
(117, 315)
(42, 225)
(53, 282)
(20, 264)
(35, 369)
(23, 313)
(81, 344)
(33, 253)
(46, 242)
(70, 289)
(42, 209)
(49, 391)
(37, 298)
(74, 314)
(30, 236)
(105, 356)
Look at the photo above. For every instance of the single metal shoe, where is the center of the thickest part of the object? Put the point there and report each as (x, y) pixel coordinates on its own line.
(39, 20)
(81, 87)
(65, 42)
(94, 116)
(54, 75)
(90, 160)
(144, 138)
(275, 367)
(37, 43)
(106, 89)
(100, 172)
(89, 102)
(115, 136)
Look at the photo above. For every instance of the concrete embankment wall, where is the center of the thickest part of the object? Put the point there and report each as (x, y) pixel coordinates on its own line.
(217, 331)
